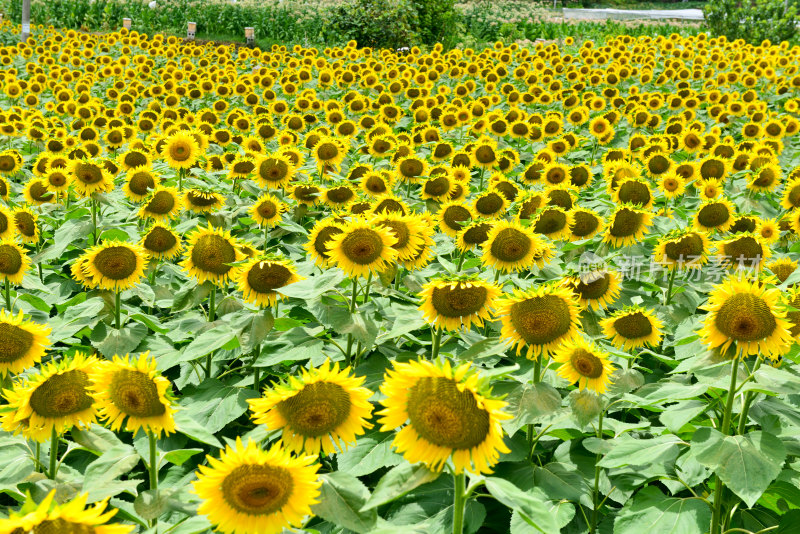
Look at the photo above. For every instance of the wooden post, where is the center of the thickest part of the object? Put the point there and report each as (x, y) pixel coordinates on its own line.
(126, 23)
(191, 29)
(26, 21)
(250, 35)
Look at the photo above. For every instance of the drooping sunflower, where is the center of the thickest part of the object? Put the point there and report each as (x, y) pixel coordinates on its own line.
(36, 192)
(717, 214)
(319, 240)
(132, 389)
(274, 171)
(627, 225)
(783, 268)
(453, 216)
(261, 276)
(595, 289)
(362, 248)
(632, 327)
(584, 364)
(553, 222)
(89, 177)
(474, 234)
(210, 254)
(457, 302)
(490, 204)
(57, 397)
(791, 194)
(114, 265)
(202, 201)
(322, 409)
(682, 249)
(26, 224)
(509, 247)
(445, 413)
(72, 516)
(747, 315)
(252, 491)
(23, 342)
(585, 224)
(180, 150)
(745, 250)
(162, 204)
(539, 318)
(14, 262)
(161, 242)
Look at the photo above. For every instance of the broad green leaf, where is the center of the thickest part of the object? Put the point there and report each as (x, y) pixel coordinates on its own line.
(653, 512)
(15, 461)
(629, 451)
(533, 510)
(100, 477)
(585, 406)
(372, 452)
(214, 404)
(746, 464)
(677, 415)
(186, 424)
(529, 402)
(560, 481)
(179, 456)
(96, 438)
(314, 286)
(219, 337)
(151, 504)
(341, 498)
(399, 481)
(122, 341)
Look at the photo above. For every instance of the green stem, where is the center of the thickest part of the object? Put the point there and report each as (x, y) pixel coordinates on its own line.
(461, 261)
(353, 298)
(597, 468)
(53, 453)
(483, 171)
(38, 452)
(437, 342)
(117, 312)
(266, 236)
(748, 400)
(458, 503)
(95, 237)
(669, 287)
(719, 486)
(211, 315)
(8, 295)
(537, 377)
(256, 370)
(367, 287)
(180, 179)
(153, 469)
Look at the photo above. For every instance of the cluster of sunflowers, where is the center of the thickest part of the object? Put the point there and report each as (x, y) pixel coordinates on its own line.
(467, 182)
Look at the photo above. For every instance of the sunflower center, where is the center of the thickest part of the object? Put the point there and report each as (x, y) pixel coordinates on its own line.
(586, 363)
(458, 301)
(794, 196)
(400, 232)
(135, 394)
(340, 194)
(267, 209)
(322, 239)
(744, 249)
(213, 253)
(794, 317)
(10, 259)
(594, 290)
(550, 221)
(159, 240)
(362, 246)
(510, 245)
(257, 489)
(180, 151)
(15, 342)
(317, 409)
(25, 223)
(626, 223)
(161, 203)
(265, 277)
(60, 526)
(685, 248)
(61, 395)
(658, 165)
(140, 182)
(541, 320)
(634, 192)
(7, 163)
(477, 234)
(273, 170)
(489, 204)
(485, 155)
(135, 159)
(585, 223)
(445, 416)
(783, 272)
(39, 192)
(88, 173)
(456, 216)
(327, 151)
(745, 317)
(116, 263)
(712, 169)
(437, 186)
(712, 215)
(633, 326)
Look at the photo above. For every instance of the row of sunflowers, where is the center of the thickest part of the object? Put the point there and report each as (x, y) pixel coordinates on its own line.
(247, 291)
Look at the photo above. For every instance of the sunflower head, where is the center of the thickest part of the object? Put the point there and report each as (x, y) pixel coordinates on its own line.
(584, 364)
(267, 210)
(510, 247)
(259, 278)
(632, 327)
(457, 302)
(362, 247)
(14, 261)
(161, 242)
(211, 253)
(114, 265)
(162, 204)
(274, 171)
(180, 150)
(595, 289)
(783, 268)
(23, 342)
(627, 225)
(200, 201)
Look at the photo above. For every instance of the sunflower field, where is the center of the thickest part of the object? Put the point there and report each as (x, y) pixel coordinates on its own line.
(516, 289)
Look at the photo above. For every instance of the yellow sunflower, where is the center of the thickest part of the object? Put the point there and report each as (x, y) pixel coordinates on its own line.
(584, 364)
(510, 247)
(457, 302)
(139, 182)
(539, 318)
(161, 242)
(362, 248)
(180, 150)
(260, 277)
(210, 254)
(453, 217)
(783, 268)
(445, 413)
(72, 516)
(632, 327)
(329, 152)
(682, 249)
(747, 315)
(89, 177)
(23, 342)
(597, 289)
(201, 201)
(57, 397)
(252, 491)
(27, 225)
(274, 171)
(717, 214)
(14, 262)
(267, 210)
(323, 408)
(132, 389)
(744, 250)
(319, 239)
(114, 265)
(407, 231)
(627, 225)
(162, 204)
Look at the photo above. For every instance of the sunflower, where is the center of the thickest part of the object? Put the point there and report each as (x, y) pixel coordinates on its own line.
(595, 289)
(260, 277)
(585, 364)
(539, 318)
(407, 231)
(709, 189)
(765, 179)
(474, 234)
(14, 262)
(445, 413)
(253, 491)
(180, 150)
(132, 388)
(453, 303)
(425, 253)
(453, 217)
(323, 408)
(57, 397)
(553, 222)
(634, 191)
(36, 192)
(139, 182)
(26, 224)
(267, 210)
(162, 204)
(210, 254)
(362, 247)
(509, 247)
(585, 224)
(746, 315)
(490, 204)
(682, 249)
(72, 516)
(783, 268)
(274, 171)
(161, 242)
(484, 153)
(89, 177)
(411, 169)
(632, 327)
(768, 230)
(627, 225)
(746, 250)
(22, 342)
(791, 194)
(319, 240)
(114, 265)
(329, 152)
(437, 187)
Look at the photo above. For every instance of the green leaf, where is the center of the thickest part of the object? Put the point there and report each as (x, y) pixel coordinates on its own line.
(15, 461)
(653, 512)
(186, 425)
(585, 406)
(219, 337)
(213, 404)
(341, 498)
(533, 510)
(96, 438)
(123, 341)
(629, 451)
(529, 402)
(151, 322)
(746, 464)
(399, 481)
(151, 504)
(100, 477)
(560, 481)
(372, 452)
(314, 286)
(179, 456)
(677, 415)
